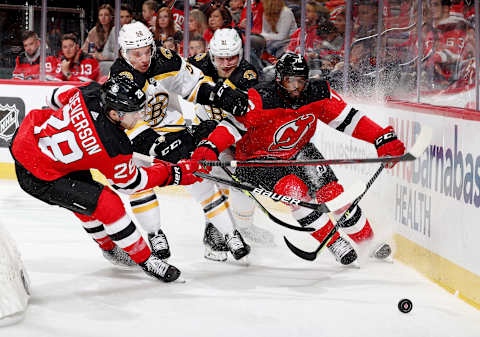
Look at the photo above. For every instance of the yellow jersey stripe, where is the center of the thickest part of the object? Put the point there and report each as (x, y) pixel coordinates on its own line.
(218, 210)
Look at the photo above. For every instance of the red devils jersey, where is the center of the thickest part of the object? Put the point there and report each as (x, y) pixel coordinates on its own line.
(87, 69)
(24, 70)
(277, 128)
(51, 144)
(178, 16)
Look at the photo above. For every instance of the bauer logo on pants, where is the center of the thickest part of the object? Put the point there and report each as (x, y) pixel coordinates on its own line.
(12, 112)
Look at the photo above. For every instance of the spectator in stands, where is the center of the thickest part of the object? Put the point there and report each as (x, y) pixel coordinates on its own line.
(277, 26)
(449, 49)
(361, 80)
(28, 63)
(236, 7)
(366, 21)
(217, 17)
(197, 23)
(98, 35)
(439, 10)
(171, 44)
(196, 45)
(74, 64)
(257, 17)
(337, 17)
(325, 53)
(126, 16)
(109, 53)
(166, 27)
(149, 14)
(312, 10)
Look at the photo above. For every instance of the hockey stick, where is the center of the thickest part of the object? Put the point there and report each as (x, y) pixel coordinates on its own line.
(310, 256)
(345, 198)
(264, 210)
(334, 204)
(422, 141)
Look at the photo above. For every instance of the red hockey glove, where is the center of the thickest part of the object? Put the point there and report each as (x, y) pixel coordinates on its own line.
(206, 150)
(387, 144)
(182, 172)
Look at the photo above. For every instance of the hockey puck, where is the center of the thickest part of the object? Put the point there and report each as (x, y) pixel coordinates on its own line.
(405, 305)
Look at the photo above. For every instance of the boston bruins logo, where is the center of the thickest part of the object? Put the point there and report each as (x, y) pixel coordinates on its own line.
(126, 74)
(156, 109)
(166, 52)
(200, 57)
(250, 75)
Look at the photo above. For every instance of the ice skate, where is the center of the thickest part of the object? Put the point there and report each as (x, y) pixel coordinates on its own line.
(343, 251)
(118, 257)
(215, 246)
(159, 244)
(257, 236)
(383, 252)
(157, 268)
(237, 245)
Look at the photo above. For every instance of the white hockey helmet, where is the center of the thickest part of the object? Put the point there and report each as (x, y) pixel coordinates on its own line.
(225, 43)
(135, 35)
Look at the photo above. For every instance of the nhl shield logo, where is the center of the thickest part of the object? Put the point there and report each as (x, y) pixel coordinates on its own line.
(12, 110)
(8, 121)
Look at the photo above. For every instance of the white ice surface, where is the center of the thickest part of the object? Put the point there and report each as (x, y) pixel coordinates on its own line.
(76, 292)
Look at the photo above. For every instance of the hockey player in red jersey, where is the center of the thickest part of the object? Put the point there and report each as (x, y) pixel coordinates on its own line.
(55, 149)
(280, 123)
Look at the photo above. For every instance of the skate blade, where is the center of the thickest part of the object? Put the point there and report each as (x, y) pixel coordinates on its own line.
(388, 259)
(354, 265)
(180, 279)
(244, 261)
(125, 267)
(215, 255)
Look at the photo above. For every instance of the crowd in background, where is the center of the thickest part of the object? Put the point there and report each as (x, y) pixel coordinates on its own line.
(447, 33)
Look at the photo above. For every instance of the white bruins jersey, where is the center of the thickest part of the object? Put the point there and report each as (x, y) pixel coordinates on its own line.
(163, 110)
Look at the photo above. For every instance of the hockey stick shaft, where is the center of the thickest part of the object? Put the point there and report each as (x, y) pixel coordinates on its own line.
(264, 210)
(332, 205)
(327, 207)
(422, 141)
(310, 256)
(150, 159)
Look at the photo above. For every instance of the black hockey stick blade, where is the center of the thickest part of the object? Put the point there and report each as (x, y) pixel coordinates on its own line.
(422, 141)
(310, 256)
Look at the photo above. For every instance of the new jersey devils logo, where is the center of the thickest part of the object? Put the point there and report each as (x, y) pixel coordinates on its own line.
(289, 134)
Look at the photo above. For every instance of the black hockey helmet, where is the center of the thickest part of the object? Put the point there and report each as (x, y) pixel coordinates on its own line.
(122, 94)
(291, 64)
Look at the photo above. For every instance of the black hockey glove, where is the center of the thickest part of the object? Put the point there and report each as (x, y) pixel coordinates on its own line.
(203, 130)
(173, 146)
(232, 100)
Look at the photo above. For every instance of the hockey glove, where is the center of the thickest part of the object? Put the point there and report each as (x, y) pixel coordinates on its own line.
(182, 172)
(203, 130)
(206, 150)
(387, 144)
(225, 97)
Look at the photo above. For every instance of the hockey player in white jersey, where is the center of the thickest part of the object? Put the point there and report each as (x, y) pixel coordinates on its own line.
(164, 76)
(224, 62)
